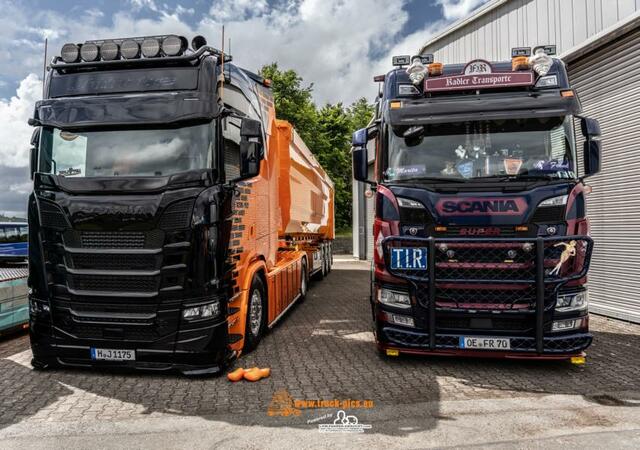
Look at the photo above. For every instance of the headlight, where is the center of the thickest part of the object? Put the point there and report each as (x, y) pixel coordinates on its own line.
(554, 201)
(548, 81)
(408, 203)
(394, 298)
(110, 51)
(575, 301)
(206, 311)
(130, 49)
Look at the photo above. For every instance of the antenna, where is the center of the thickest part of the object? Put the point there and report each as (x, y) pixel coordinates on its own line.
(222, 79)
(44, 64)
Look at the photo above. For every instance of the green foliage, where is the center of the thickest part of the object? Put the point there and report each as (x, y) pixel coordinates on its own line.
(326, 131)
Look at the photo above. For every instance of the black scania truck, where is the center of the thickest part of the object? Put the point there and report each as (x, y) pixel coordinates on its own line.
(480, 231)
(129, 216)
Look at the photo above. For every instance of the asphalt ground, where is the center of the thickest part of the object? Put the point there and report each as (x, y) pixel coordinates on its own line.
(323, 361)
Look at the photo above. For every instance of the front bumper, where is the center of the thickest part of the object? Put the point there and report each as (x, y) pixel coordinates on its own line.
(417, 342)
(199, 351)
(480, 292)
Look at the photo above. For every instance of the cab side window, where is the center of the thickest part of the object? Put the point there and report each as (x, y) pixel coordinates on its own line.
(231, 137)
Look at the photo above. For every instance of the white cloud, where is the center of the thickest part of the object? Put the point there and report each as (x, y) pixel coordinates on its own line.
(457, 9)
(15, 134)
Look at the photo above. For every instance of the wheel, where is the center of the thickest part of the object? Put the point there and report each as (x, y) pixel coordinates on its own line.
(325, 261)
(319, 275)
(329, 257)
(256, 323)
(304, 280)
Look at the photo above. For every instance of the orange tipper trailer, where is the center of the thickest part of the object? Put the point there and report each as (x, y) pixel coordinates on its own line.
(283, 228)
(173, 218)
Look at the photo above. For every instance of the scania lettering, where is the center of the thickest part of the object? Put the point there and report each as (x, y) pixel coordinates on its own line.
(170, 223)
(481, 238)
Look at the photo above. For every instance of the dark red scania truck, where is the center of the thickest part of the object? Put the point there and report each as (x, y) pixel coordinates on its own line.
(480, 232)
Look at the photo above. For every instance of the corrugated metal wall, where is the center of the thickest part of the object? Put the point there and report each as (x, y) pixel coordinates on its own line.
(566, 23)
(608, 84)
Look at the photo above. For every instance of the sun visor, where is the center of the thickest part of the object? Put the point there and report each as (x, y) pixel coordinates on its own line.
(129, 110)
(471, 107)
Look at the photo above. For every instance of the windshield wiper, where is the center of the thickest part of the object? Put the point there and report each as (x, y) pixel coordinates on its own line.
(514, 177)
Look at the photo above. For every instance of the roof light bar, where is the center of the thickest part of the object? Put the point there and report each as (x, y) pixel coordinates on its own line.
(150, 48)
(130, 49)
(110, 51)
(174, 45)
(70, 53)
(89, 52)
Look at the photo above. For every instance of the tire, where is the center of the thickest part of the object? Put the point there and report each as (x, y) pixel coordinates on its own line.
(319, 275)
(304, 280)
(256, 322)
(325, 260)
(329, 257)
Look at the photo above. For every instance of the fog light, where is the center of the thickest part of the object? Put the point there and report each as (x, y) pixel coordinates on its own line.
(110, 51)
(566, 325)
(401, 320)
(394, 298)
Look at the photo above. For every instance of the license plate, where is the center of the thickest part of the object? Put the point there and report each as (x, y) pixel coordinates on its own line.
(108, 354)
(485, 343)
(411, 258)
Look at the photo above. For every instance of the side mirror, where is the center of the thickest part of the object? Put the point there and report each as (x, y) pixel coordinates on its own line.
(33, 152)
(592, 145)
(592, 150)
(413, 132)
(251, 148)
(590, 127)
(360, 138)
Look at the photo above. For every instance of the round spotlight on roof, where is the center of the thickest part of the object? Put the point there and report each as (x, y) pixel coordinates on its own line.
(150, 48)
(174, 45)
(110, 51)
(130, 49)
(70, 53)
(197, 42)
(90, 52)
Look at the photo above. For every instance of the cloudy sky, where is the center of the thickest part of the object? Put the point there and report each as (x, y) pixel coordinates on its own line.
(337, 45)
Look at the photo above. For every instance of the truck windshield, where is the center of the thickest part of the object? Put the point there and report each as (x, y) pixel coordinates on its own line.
(138, 152)
(515, 148)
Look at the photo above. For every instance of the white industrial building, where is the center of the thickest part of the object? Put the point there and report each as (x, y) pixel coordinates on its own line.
(600, 42)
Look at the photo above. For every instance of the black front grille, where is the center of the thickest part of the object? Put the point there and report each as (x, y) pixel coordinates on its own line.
(548, 215)
(131, 239)
(97, 261)
(114, 239)
(114, 283)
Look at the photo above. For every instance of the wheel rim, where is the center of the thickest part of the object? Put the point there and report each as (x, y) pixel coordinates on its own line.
(303, 282)
(255, 312)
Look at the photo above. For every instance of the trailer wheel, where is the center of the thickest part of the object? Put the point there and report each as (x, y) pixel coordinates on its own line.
(325, 260)
(329, 257)
(304, 280)
(256, 322)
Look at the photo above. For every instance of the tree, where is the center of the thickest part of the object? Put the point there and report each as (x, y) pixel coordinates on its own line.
(327, 131)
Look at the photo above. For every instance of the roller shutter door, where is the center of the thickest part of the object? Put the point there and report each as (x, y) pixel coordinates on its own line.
(608, 84)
